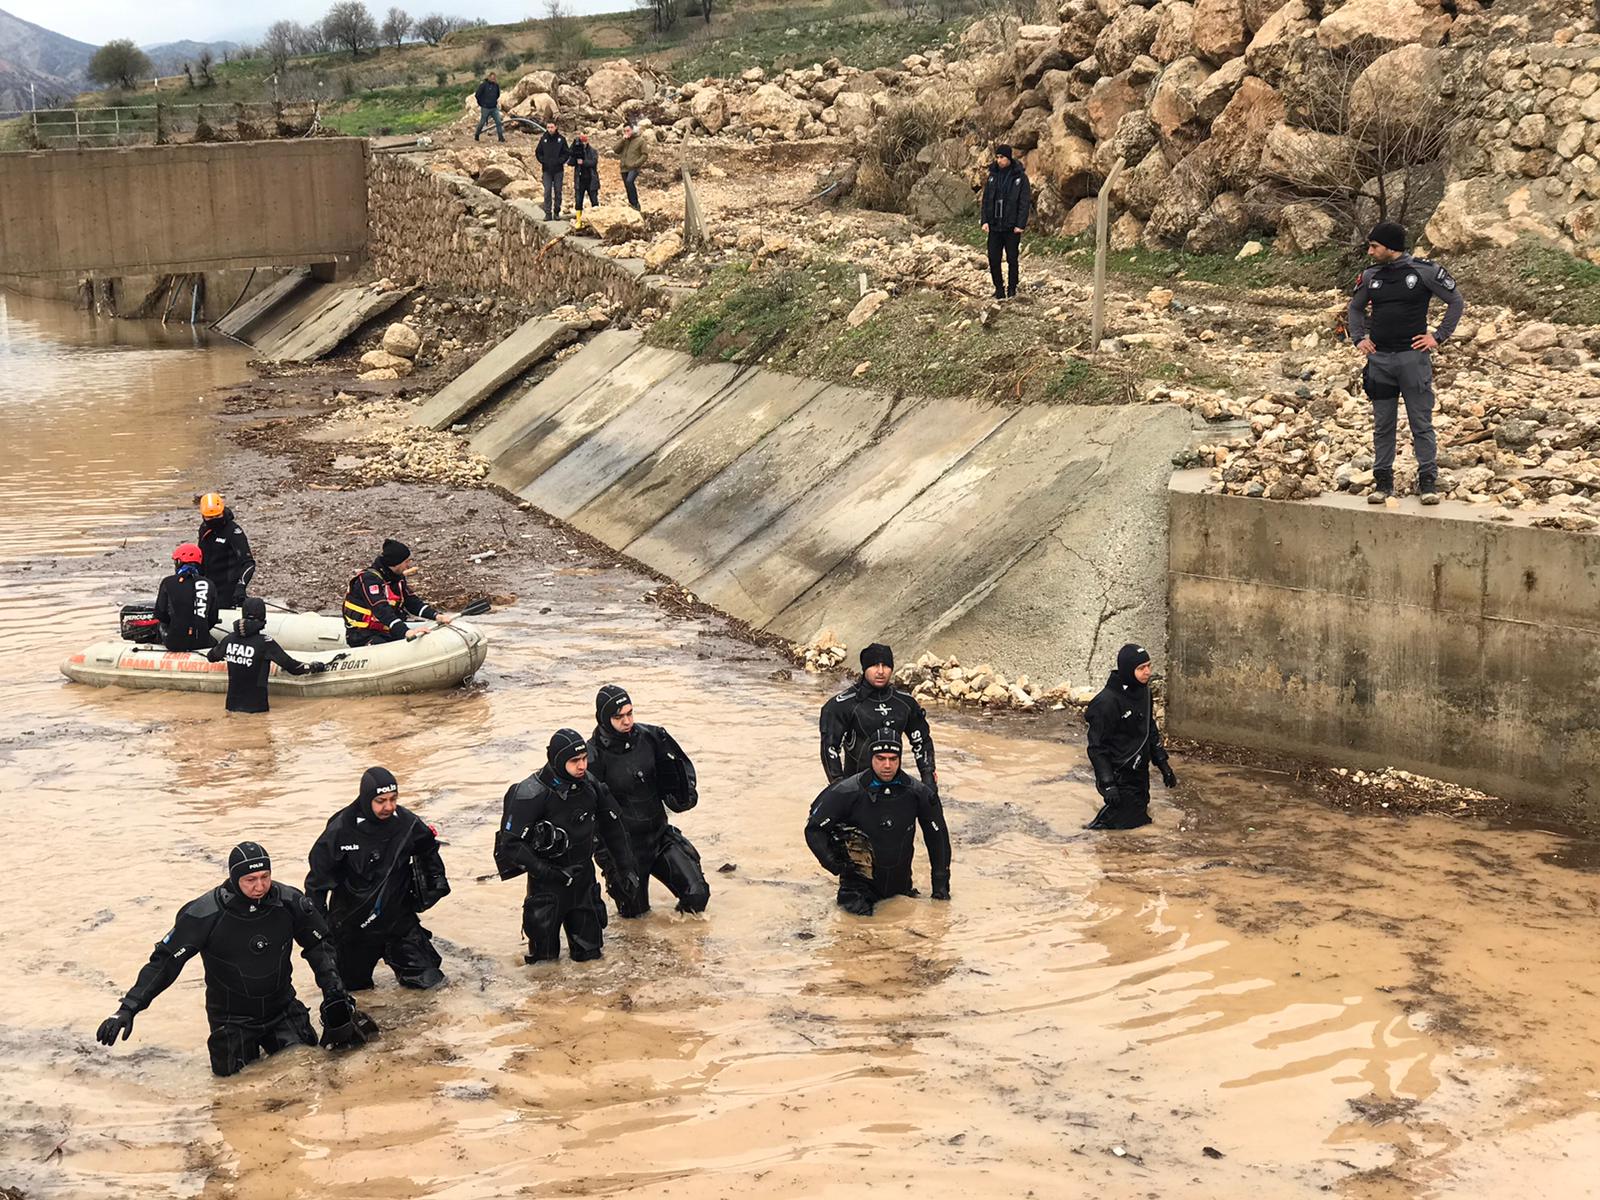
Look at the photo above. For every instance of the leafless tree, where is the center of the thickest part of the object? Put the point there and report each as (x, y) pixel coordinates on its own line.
(433, 27)
(663, 13)
(349, 25)
(396, 24)
(279, 43)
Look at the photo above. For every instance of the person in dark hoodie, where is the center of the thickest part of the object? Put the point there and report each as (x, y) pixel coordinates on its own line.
(552, 153)
(250, 653)
(863, 829)
(186, 603)
(585, 160)
(380, 598)
(488, 98)
(1123, 741)
(548, 826)
(647, 773)
(225, 551)
(849, 720)
(1007, 202)
(375, 867)
(243, 932)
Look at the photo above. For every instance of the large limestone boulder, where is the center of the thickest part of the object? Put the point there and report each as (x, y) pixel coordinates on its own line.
(401, 340)
(1194, 184)
(1029, 130)
(1274, 44)
(665, 249)
(613, 222)
(1303, 228)
(939, 195)
(541, 106)
(1471, 216)
(1220, 228)
(1065, 161)
(770, 107)
(1175, 33)
(1219, 32)
(1309, 159)
(1381, 25)
(1134, 138)
(523, 189)
(496, 175)
(610, 86)
(1399, 90)
(1079, 35)
(532, 84)
(1240, 131)
(1111, 99)
(1212, 96)
(852, 111)
(571, 97)
(1140, 188)
(1126, 232)
(1128, 35)
(382, 360)
(1173, 104)
(709, 108)
(1410, 195)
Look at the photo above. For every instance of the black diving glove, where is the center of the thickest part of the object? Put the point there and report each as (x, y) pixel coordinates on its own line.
(344, 1027)
(318, 668)
(109, 1028)
(1168, 775)
(941, 888)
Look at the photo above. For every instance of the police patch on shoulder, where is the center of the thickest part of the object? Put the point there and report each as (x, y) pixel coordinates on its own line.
(1446, 280)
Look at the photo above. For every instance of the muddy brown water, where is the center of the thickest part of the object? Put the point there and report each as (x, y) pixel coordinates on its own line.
(1376, 1008)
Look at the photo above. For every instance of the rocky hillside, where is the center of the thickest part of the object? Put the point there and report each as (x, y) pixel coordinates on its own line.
(31, 54)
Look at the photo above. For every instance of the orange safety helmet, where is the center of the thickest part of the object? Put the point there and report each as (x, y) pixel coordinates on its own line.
(211, 505)
(188, 553)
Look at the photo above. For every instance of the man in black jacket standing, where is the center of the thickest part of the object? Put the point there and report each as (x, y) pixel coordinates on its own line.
(1123, 741)
(548, 826)
(552, 153)
(1007, 201)
(863, 829)
(585, 161)
(647, 773)
(488, 98)
(375, 867)
(849, 720)
(243, 931)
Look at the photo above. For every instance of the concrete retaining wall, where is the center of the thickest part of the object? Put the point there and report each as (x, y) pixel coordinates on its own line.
(1431, 640)
(156, 210)
(431, 228)
(1034, 538)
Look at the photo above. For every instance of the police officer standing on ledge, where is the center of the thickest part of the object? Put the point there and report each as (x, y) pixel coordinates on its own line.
(1397, 289)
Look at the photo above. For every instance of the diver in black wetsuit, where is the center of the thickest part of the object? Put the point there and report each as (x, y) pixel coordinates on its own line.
(1123, 741)
(647, 773)
(250, 653)
(186, 603)
(547, 830)
(243, 931)
(375, 867)
(849, 720)
(863, 829)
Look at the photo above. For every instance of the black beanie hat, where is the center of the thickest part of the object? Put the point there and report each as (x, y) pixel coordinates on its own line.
(885, 741)
(565, 745)
(608, 703)
(1002, 151)
(875, 654)
(1129, 657)
(246, 859)
(377, 781)
(394, 553)
(1390, 234)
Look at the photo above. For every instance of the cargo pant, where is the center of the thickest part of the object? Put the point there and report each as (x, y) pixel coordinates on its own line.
(1390, 375)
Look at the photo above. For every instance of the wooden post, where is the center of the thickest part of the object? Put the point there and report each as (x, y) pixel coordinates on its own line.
(77, 135)
(1102, 212)
(694, 225)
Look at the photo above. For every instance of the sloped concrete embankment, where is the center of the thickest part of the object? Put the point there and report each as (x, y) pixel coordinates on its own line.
(1431, 640)
(1033, 537)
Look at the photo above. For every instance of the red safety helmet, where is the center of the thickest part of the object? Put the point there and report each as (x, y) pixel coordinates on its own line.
(188, 553)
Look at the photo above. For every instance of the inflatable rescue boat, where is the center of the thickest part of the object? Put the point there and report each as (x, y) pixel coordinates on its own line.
(444, 656)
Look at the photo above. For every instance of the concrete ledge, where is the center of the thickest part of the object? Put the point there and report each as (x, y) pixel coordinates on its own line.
(1428, 639)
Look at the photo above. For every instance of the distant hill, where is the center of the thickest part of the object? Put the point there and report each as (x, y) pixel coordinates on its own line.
(29, 53)
(169, 57)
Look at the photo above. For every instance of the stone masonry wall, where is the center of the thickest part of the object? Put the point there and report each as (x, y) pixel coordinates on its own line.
(432, 228)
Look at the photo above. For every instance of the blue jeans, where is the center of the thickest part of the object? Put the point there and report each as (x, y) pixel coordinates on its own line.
(484, 115)
(629, 181)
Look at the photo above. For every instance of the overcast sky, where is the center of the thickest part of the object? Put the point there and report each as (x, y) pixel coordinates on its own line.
(98, 21)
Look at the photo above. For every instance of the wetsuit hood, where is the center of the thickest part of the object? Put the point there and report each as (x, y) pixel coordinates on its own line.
(1129, 658)
(252, 617)
(565, 745)
(375, 782)
(610, 701)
